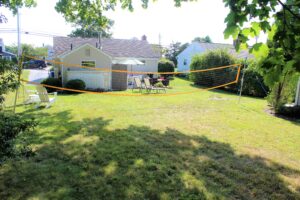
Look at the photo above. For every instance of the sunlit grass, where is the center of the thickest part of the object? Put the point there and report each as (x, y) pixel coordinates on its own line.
(203, 145)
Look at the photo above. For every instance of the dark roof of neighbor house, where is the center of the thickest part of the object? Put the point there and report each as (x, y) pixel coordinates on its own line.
(242, 54)
(112, 47)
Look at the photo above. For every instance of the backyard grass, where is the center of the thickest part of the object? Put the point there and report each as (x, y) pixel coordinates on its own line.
(202, 145)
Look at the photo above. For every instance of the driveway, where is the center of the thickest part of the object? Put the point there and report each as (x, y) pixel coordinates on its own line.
(37, 75)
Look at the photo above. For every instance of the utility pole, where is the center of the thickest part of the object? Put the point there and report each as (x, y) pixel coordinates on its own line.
(19, 57)
(19, 35)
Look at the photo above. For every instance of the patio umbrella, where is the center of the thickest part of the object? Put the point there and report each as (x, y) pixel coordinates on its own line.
(130, 61)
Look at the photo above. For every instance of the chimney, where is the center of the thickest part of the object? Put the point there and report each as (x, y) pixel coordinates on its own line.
(144, 38)
(71, 46)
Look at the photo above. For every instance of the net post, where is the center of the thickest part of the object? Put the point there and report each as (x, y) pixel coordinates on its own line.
(238, 74)
(242, 81)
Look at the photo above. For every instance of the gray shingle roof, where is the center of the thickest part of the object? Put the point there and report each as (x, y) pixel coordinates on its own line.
(112, 47)
(242, 54)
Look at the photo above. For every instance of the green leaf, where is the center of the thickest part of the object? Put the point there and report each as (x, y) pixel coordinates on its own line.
(231, 31)
(260, 50)
(272, 32)
(255, 27)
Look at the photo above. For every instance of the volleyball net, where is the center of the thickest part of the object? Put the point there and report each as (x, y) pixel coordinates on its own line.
(203, 78)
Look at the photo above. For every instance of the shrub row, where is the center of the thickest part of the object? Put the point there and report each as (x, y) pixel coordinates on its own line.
(11, 126)
(253, 81)
(75, 84)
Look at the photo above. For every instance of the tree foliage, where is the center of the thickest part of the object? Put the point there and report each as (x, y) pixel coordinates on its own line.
(205, 39)
(13, 5)
(28, 50)
(212, 59)
(92, 31)
(174, 50)
(280, 57)
(92, 12)
(8, 78)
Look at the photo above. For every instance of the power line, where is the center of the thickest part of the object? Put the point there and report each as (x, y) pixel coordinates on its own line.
(41, 34)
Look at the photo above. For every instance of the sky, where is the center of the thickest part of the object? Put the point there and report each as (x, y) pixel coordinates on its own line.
(192, 19)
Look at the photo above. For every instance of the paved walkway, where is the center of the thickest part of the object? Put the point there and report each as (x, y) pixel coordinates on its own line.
(37, 75)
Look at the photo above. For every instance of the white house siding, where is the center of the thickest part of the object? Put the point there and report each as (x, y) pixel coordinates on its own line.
(92, 79)
(187, 55)
(151, 65)
(89, 76)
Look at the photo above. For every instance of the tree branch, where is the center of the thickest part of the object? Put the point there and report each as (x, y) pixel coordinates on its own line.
(288, 9)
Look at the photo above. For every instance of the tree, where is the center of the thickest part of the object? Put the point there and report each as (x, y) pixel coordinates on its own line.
(174, 50)
(29, 50)
(205, 39)
(280, 57)
(91, 12)
(92, 31)
(8, 78)
(13, 5)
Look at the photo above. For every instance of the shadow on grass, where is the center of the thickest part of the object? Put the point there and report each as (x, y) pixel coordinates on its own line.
(85, 160)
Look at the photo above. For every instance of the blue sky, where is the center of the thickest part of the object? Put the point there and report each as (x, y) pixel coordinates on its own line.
(201, 18)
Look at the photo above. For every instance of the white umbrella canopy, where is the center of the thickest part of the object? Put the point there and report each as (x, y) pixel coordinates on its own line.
(131, 61)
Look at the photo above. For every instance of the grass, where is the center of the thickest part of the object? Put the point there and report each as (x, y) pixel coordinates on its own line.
(202, 145)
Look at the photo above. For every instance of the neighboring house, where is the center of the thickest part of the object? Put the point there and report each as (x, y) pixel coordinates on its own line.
(104, 54)
(184, 59)
(4, 54)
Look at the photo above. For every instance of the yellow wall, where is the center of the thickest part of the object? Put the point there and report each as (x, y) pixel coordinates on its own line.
(79, 55)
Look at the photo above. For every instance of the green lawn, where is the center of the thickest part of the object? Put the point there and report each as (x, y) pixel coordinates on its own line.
(202, 145)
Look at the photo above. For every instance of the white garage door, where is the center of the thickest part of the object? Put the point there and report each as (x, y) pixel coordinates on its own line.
(92, 79)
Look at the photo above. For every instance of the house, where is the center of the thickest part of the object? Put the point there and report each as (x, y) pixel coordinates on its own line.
(4, 54)
(103, 54)
(184, 59)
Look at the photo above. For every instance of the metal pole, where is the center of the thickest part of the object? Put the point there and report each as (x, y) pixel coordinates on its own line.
(242, 81)
(19, 35)
(297, 100)
(19, 58)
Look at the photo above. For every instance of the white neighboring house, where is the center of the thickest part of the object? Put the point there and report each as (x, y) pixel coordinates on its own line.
(103, 54)
(4, 54)
(184, 59)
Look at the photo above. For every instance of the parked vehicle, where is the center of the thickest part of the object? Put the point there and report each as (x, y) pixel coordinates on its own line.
(34, 64)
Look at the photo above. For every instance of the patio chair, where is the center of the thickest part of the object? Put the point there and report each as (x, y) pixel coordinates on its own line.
(44, 96)
(149, 87)
(138, 84)
(30, 96)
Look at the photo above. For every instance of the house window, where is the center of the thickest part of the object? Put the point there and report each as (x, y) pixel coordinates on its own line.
(88, 52)
(185, 62)
(88, 63)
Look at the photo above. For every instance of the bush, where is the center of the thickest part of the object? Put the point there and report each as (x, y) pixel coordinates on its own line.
(253, 84)
(12, 125)
(165, 65)
(53, 82)
(210, 60)
(159, 84)
(75, 84)
(293, 112)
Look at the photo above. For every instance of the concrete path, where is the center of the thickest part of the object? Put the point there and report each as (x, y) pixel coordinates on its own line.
(37, 75)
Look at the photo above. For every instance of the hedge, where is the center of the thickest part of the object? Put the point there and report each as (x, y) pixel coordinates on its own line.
(75, 84)
(165, 65)
(53, 82)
